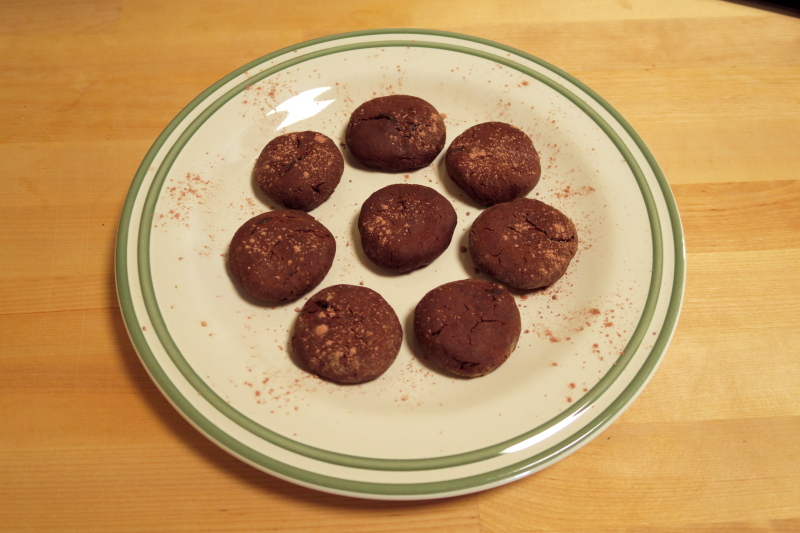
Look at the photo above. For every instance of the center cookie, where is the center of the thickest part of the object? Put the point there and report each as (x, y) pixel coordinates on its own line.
(347, 334)
(394, 133)
(405, 226)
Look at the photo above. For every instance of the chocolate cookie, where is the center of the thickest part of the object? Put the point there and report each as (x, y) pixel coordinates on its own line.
(467, 327)
(299, 170)
(525, 243)
(395, 133)
(279, 256)
(493, 162)
(347, 334)
(404, 226)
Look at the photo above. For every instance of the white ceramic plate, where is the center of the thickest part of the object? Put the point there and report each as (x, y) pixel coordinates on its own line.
(589, 344)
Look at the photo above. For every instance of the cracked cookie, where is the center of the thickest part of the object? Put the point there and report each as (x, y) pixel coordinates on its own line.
(395, 133)
(468, 327)
(279, 256)
(493, 162)
(404, 226)
(524, 243)
(299, 170)
(346, 334)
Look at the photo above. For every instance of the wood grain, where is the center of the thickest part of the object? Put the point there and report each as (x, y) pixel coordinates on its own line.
(89, 444)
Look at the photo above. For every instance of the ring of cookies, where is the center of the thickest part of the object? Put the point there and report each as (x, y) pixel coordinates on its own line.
(350, 334)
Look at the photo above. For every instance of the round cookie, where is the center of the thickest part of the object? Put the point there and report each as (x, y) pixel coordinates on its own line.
(346, 334)
(405, 226)
(524, 243)
(279, 256)
(299, 170)
(394, 133)
(467, 327)
(493, 162)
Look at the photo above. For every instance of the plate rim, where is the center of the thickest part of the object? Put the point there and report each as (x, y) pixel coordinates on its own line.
(478, 481)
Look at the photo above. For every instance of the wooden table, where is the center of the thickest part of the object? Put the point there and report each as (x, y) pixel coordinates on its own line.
(87, 442)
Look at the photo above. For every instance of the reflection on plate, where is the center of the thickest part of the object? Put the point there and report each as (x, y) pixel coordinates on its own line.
(589, 344)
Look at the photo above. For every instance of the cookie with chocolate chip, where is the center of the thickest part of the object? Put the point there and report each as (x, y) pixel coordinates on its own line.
(346, 334)
(524, 243)
(493, 162)
(405, 226)
(299, 170)
(468, 327)
(395, 133)
(279, 256)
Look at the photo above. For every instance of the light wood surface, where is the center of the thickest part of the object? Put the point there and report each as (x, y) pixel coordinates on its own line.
(88, 443)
